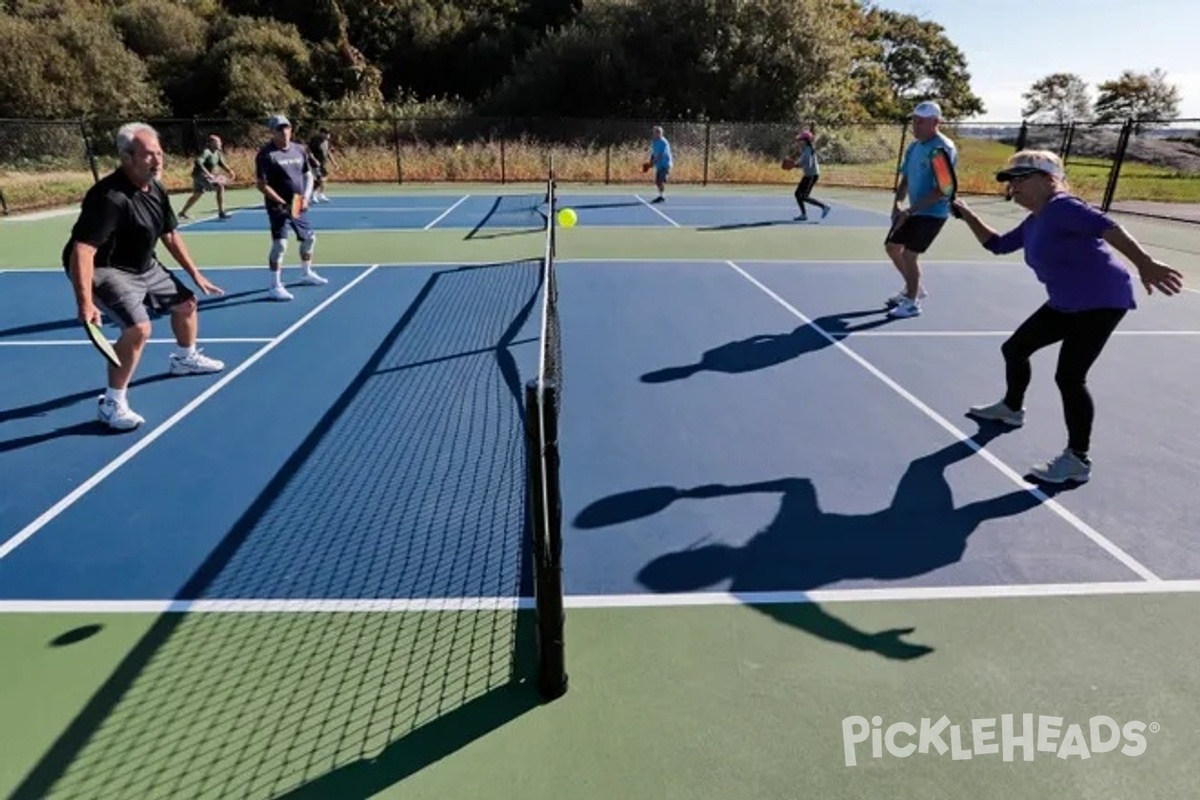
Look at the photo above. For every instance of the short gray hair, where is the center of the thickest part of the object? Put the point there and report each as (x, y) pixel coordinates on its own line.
(130, 131)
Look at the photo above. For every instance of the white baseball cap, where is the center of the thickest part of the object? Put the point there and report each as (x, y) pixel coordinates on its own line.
(928, 110)
(1029, 165)
(278, 121)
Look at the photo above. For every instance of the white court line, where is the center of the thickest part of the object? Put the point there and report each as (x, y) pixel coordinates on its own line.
(85, 342)
(1075, 522)
(365, 209)
(816, 262)
(954, 334)
(647, 600)
(62, 505)
(1190, 289)
(642, 200)
(443, 215)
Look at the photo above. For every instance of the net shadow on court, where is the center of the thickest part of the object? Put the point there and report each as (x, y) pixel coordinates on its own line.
(412, 486)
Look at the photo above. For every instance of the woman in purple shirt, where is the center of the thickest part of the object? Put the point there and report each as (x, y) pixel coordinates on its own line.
(1072, 249)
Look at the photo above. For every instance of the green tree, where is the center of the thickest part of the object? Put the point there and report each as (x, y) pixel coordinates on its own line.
(1060, 98)
(768, 60)
(1137, 96)
(921, 63)
(172, 40)
(38, 77)
(117, 82)
(257, 66)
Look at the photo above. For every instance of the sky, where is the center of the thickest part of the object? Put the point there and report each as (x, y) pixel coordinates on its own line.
(1009, 44)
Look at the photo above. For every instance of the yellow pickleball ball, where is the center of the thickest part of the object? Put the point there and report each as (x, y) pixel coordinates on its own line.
(567, 218)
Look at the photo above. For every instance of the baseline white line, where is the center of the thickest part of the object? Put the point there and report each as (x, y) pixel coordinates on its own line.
(62, 505)
(445, 213)
(1081, 526)
(815, 262)
(1190, 289)
(642, 200)
(85, 342)
(892, 594)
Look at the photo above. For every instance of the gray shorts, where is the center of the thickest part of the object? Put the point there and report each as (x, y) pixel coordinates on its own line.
(130, 297)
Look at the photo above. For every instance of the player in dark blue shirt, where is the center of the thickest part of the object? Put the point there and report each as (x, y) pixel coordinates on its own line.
(286, 181)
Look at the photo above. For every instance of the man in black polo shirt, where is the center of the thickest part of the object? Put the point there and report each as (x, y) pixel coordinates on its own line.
(111, 261)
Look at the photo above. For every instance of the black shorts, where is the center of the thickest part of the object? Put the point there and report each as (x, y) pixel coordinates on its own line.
(916, 233)
(130, 297)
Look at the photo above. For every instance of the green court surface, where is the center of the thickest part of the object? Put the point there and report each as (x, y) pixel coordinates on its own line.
(726, 697)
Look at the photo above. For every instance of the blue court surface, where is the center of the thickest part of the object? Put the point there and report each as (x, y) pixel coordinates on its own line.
(746, 427)
(479, 213)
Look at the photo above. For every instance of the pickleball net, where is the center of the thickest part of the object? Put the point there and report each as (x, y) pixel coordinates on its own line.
(542, 405)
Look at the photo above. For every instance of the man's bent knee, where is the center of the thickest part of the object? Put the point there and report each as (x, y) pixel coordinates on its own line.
(137, 334)
(185, 308)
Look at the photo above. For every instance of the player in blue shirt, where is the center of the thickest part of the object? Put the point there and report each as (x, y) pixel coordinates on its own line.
(660, 159)
(915, 228)
(284, 177)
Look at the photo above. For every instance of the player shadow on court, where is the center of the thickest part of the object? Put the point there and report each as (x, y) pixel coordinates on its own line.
(765, 223)
(90, 428)
(772, 349)
(40, 327)
(72, 324)
(390, 694)
(805, 548)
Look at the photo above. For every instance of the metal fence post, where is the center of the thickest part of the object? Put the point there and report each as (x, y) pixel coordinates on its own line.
(88, 150)
(396, 141)
(1115, 173)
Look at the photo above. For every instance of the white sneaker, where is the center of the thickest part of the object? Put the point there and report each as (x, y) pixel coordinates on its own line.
(279, 293)
(118, 416)
(195, 364)
(1065, 468)
(902, 295)
(904, 309)
(313, 279)
(998, 412)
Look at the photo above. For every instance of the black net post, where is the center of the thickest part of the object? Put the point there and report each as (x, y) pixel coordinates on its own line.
(546, 519)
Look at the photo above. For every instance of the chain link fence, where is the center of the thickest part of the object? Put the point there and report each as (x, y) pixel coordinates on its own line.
(1157, 171)
(1149, 168)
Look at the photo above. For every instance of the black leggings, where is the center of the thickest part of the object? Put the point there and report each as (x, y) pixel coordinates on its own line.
(1083, 335)
(804, 190)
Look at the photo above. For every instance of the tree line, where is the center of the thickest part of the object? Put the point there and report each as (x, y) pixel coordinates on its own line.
(771, 60)
(1064, 97)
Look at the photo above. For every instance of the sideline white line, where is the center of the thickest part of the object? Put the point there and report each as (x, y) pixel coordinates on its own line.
(1190, 289)
(445, 213)
(1081, 526)
(62, 505)
(633, 601)
(652, 208)
(75, 343)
